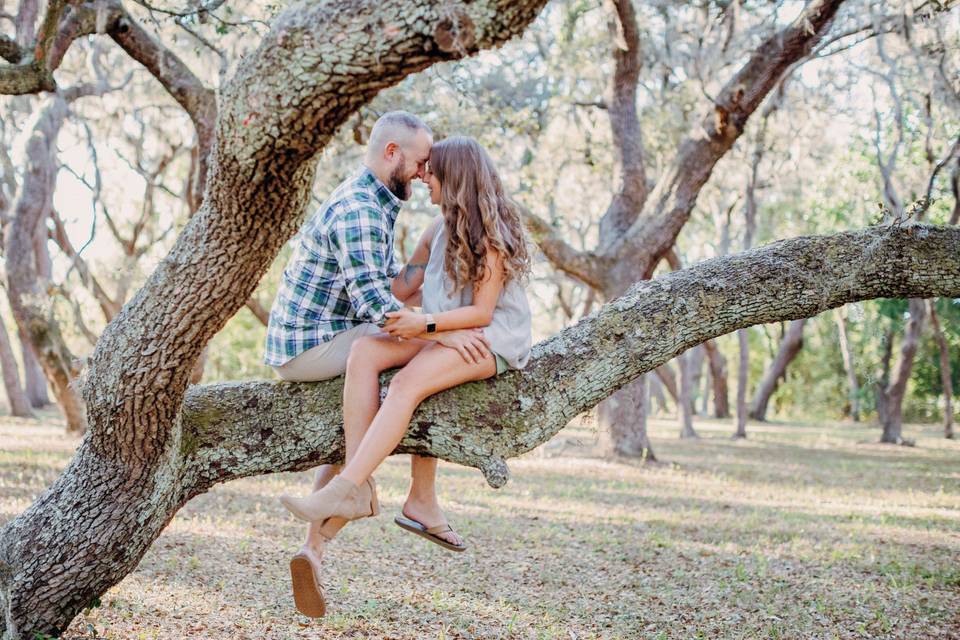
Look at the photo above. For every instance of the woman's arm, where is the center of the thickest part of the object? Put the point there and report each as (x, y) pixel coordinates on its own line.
(408, 281)
(486, 292)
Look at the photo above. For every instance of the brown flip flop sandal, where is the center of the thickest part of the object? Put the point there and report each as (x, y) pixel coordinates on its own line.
(430, 533)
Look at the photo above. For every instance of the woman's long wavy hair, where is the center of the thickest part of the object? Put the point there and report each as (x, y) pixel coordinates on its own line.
(476, 213)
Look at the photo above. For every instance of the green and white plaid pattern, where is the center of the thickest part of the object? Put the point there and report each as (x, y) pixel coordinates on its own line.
(339, 274)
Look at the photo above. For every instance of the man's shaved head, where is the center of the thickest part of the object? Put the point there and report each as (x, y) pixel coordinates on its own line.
(397, 126)
(398, 150)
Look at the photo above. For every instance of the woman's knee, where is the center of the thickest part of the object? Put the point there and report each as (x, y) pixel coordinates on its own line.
(406, 389)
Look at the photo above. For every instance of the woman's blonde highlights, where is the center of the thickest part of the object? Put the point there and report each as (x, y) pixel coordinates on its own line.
(476, 213)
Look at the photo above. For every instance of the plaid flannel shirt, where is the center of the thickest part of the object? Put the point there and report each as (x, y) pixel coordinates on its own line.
(339, 274)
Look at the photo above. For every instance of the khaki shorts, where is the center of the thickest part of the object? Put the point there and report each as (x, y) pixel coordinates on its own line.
(327, 360)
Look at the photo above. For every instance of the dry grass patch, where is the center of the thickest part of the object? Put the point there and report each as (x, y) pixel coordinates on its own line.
(801, 531)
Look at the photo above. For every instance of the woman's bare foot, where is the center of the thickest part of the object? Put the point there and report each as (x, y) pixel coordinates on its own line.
(428, 513)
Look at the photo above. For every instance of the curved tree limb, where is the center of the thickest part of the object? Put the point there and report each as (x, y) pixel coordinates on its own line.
(585, 267)
(233, 430)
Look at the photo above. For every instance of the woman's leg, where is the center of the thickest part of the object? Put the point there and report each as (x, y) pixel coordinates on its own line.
(432, 370)
(369, 356)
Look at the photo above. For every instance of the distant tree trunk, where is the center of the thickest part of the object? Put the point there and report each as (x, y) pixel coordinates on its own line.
(625, 414)
(946, 379)
(656, 393)
(955, 189)
(704, 410)
(16, 397)
(789, 348)
(853, 385)
(718, 376)
(34, 382)
(668, 380)
(641, 223)
(884, 378)
(685, 404)
(893, 394)
(28, 262)
(742, 380)
(697, 356)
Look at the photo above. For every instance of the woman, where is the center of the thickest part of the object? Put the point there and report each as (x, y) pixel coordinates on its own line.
(470, 263)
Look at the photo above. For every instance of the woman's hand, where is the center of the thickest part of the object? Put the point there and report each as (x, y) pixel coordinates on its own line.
(471, 344)
(405, 323)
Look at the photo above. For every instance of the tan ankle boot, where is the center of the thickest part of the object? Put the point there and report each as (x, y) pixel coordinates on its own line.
(339, 498)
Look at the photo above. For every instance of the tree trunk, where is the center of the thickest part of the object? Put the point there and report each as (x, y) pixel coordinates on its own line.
(789, 348)
(946, 378)
(742, 380)
(718, 376)
(641, 225)
(16, 397)
(697, 356)
(853, 385)
(893, 394)
(685, 403)
(34, 382)
(624, 415)
(656, 393)
(668, 380)
(28, 261)
(139, 464)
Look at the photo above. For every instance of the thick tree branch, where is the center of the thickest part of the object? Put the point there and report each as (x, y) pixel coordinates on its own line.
(670, 203)
(585, 267)
(239, 429)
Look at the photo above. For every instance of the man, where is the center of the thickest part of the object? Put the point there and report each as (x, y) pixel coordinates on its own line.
(337, 288)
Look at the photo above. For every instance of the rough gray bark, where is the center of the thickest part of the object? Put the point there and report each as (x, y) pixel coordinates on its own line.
(946, 379)
(317, 65)
(853, 384)
(891, 417)
(790, 346)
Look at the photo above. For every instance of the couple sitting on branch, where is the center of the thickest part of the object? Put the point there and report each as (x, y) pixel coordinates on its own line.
(344, 307)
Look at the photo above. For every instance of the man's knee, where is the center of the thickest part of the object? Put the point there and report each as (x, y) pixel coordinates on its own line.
(363, 354)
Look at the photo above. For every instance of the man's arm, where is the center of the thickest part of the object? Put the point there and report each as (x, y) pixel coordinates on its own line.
(361, 244)
(410, 279)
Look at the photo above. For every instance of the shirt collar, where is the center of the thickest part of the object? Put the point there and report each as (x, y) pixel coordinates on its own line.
(387, 199)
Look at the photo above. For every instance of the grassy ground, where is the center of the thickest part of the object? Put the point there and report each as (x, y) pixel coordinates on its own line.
(801, 531)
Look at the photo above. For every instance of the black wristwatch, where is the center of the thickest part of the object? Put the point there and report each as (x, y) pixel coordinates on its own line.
(431, 325)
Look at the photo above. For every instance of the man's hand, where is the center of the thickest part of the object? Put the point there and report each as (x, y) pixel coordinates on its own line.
(471, 344)
(405, 323)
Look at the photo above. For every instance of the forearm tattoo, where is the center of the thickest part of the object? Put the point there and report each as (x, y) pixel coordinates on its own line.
(410, 271)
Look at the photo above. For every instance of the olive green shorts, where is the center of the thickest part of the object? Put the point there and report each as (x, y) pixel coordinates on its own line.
(501, 363)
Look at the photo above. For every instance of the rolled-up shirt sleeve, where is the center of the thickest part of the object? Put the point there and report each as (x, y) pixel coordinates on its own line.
(361, 244)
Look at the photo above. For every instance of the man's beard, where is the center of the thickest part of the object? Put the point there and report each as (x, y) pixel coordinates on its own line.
(397, 184)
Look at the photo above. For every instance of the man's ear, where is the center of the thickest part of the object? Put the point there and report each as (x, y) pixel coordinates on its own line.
(390, 150)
